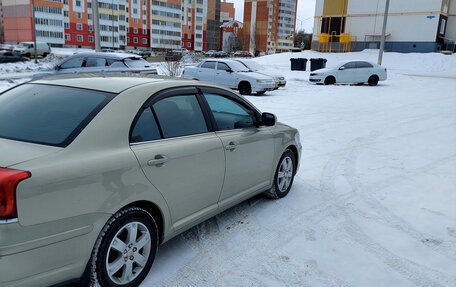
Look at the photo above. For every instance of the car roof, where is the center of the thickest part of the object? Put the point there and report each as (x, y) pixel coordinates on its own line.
(112, 83)
(110, 55)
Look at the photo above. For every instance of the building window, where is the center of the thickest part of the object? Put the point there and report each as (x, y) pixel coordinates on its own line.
(144, 31)
(67, 37)
(91, 39)
(78, 3)
(89, 5)
(67, 25)
(90, 28)
(135, 39)
(78, 26)
(144, 40)
(135, 30)
(128, 39)
(79, 15)
(442, 26)
(135, 21)
(80, 38)
(189, 44)
(65, 13)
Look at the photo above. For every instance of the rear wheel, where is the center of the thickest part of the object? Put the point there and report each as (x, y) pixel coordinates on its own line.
(261, 93)
(124, 251)
(245, 88)
(284, 176)
(373, 80)
(330, 80)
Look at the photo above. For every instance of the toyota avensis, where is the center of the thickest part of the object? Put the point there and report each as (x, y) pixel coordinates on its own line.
(96, 173)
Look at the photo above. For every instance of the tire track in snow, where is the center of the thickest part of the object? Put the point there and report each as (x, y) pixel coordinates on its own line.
(418, 274)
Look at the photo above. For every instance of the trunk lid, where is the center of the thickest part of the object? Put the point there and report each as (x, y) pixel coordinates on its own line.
(15, 152)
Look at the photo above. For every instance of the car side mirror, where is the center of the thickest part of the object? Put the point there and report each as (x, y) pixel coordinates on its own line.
(342, 68)
(56, 67)
(229, 71)
(268, 119)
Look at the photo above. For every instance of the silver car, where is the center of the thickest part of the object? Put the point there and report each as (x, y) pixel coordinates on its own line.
(97, 172)
(100, 63)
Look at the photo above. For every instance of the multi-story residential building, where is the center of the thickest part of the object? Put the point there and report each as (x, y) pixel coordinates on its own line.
(200, 24)
(126, 24)
(2, 34)
(269, 25)
(227, 12)
(412, 26)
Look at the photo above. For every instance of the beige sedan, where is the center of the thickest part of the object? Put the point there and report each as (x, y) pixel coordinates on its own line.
(96, 173)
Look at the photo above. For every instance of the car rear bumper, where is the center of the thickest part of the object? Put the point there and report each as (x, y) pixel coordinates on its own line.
(48, 253)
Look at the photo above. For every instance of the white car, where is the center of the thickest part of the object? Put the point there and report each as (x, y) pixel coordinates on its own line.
(28, 49)
(254, 66)
(358, 72)
(231, 74)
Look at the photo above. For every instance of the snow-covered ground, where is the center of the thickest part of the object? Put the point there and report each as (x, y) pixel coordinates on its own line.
(374, 201)
(373, 204)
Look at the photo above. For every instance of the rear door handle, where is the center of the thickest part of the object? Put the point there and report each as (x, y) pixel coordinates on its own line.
(158, 161)
(231, 146)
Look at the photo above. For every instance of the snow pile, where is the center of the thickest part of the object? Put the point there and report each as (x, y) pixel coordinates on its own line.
(65, 52)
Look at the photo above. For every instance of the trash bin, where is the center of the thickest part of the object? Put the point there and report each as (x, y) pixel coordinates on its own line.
(298, 64)
(317, 64)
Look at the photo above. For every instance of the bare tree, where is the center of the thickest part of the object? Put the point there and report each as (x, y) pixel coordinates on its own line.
(172, 68)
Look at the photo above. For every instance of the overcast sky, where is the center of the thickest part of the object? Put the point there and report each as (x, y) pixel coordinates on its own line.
(306, 10)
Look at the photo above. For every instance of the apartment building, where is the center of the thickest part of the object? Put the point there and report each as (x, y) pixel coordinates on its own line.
(125, 24)
(413, 26)
(227, 12)
(2, 34)
(269, 25)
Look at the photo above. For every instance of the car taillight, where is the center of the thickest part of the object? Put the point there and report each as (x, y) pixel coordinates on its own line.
(9, 179)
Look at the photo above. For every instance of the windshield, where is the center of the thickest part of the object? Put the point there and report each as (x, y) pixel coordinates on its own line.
(136, 63)
(45, 114)
(238, 67)
(254, 66)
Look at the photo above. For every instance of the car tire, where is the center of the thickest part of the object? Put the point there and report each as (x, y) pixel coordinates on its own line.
(245, 88)
(373, 80)
(330, 80)
(284, 176)
(116, 248)
(27, 55)
(261, 93)
(45, 55)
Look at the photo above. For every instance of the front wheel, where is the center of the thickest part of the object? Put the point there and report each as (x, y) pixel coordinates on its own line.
(245, 88)
(124, 251)
(284, 176)
(330, 80)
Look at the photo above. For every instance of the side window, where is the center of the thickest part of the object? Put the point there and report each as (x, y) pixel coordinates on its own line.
(350, 65)
(109, 62)
(180, 116)
(222, 66)
(146, 128)
(95, 62)
(208, 65)
(229, 114)
(363, 65)
(72, 63)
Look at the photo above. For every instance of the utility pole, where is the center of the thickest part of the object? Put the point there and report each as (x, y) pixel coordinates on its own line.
(96, 25)
(382, 43)
(34, 31)
(112, 26)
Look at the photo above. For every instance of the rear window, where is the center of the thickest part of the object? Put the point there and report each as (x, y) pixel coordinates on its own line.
(46, 114)
(136, 63)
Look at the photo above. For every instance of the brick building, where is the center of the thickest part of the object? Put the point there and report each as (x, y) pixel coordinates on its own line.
(269, 25)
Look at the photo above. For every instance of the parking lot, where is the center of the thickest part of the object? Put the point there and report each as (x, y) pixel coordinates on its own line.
(373, 203)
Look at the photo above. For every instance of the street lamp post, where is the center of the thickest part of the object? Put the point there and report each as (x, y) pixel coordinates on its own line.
(382, 43)
(34, 31)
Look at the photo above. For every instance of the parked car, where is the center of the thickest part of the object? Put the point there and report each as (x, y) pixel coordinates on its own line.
(97, 172)
(145, 53)
(358, 72)
(7, 47)
(9, 57)
(210, 53)
(100, 63)
(27, 49)
(243, 54)
(259, 53)
(173, 56)
(231, 74)
(108, 51)
(254, 66)
(221, 54)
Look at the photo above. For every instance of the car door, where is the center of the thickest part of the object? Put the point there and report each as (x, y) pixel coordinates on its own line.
(180, 154)
(363, 71)
(347, 73)
(249, 148)
(206, 71)
(225, 76)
